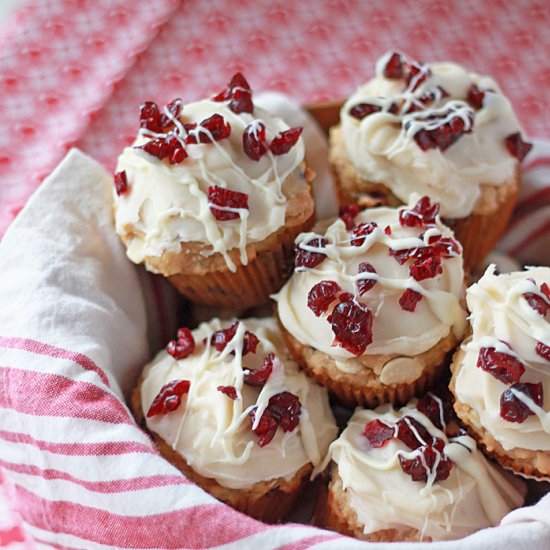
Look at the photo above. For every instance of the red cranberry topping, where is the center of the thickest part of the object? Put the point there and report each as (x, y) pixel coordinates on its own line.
(415, 74)
(150, 116)
(475, 97)
(220, 198)
(512, 409)
(361, 231)
(378, 433)
(121, 183)
(345, 297)
(222, 337)
(183, 346)
(422, 213)
(259, 376)
(427, 268)
(446, 247)
(169, 397)
(239, 92)
(321, 296)
(412, 433)
(364, 285)
(284, 141)
(422, 466)
(426, 98)
(352, 326)
(216, 129)
(502, 366)
(409, 299)
(250, 343)
(362, 110)
(348, 214)
(394, 66)
(306, 258)
(439, 409)
(282, 410)
(516, 146)
(451, 128)
(539, 303)
(543, 351)
(254, 143)
(167, 147)
(230, 391)
(387, 230)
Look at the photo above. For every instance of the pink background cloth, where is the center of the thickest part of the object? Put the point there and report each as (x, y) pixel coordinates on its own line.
(72, 72)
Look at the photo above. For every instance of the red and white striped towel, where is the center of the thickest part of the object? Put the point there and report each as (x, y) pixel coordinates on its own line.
(73, 338)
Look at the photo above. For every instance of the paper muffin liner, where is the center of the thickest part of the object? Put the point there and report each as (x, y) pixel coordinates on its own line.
(250, 285)
(352, 391)
(270, 501)
(525, 462)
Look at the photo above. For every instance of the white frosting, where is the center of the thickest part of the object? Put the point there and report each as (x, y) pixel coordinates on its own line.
(382, 148)
(168, 204)
(500, 314)
(213, 432)
(474, 496)
(395, 331)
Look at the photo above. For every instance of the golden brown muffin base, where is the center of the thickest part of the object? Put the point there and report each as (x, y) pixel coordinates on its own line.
(333, 511)
(477, 233)
(364, 388)
(270, 501)
(521, 461)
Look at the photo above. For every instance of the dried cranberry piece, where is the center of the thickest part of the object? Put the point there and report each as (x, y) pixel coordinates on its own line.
(150, 116)
(216, 130)
(364, 285)
(239, 92)
(426, 268)
(284, 141)
(378, 433)
(516, 146)
(266, 428)
(475, 97)
(121, 183)
(230, 391)
(502, 366)
(352, 326)
(443, 136)
(422, 466)
(412, 433)
(250, 343)
(254, 143)
(175, 108)
(344, 297)
(306, 258)
(394, 66)
(446, 247)
(362, 110)
(401, 256)
(167, 147)
(439, 409)
(361, 231)
(543, 351)
(512, 409)
(222, 337)
(537, 302)
(220, 198)
(422, 213)
(348, 214)
(387, 230)
(183, 346)
(169, 397)
(321, 296)
(259, 376)
(409, 299)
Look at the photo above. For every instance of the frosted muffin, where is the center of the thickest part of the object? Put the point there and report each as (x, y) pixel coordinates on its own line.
(374, 305)
(404, 476)
(501, 374)
(438, 130)
(212, 194)
(227, 406)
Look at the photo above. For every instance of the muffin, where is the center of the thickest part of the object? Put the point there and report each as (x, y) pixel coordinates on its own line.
(501, 373)
(373, 308)
(437, 130)
(212, 195)
(228, 407)
(405, 476)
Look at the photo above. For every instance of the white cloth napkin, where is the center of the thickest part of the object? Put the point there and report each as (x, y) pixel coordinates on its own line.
(74, 329)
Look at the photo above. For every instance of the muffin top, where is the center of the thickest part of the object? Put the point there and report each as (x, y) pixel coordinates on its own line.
(218, 173)
(413, 468)
(228, 398)
(384, 281)
(435, 129)
(505, 368)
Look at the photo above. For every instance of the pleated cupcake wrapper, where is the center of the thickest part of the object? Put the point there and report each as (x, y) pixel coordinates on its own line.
(253, 283)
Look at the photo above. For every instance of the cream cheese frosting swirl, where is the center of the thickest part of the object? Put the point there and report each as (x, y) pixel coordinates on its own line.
(167, 205)
(396, 329)
(382, 148)
(213, 432)
(502, 318)
(475, 494)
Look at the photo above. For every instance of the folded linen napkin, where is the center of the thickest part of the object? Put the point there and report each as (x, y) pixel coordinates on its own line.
(73, 338)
